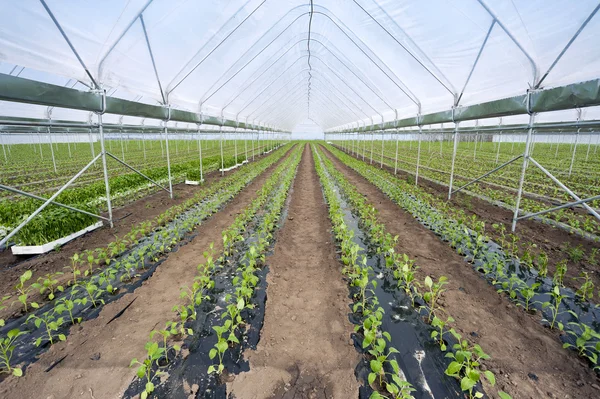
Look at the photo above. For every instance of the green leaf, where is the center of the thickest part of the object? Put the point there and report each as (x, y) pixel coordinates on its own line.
(428, 282)
(467, 384)
(372, 377)
(504, 395)
(490, 377)
(453, 368)
(17, 372)
(149, 387)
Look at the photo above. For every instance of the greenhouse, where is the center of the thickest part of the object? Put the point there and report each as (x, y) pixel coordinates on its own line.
(299, 199)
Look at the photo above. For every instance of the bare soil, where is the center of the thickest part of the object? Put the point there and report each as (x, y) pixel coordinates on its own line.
(147, 208)
(528, 359)
(98, 354)
(547, 238)
(305, 349)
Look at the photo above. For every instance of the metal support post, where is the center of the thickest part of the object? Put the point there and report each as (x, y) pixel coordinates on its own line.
(48, 202)
(52, 150)
(382, 141)
(221, 146)
(104, 167)
(372, 144)
(456, 133)
(525, 162)
(167, 150)
(396, 158)
(418, 151)
(574, 152)
(498, 147)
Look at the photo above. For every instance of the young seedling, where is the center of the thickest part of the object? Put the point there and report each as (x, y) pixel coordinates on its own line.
(74, 268)
(587, 342)
(559, 274)
(438, 334)
(146, 368)
(542, 264)
(435, 291)
(49, 283)
(67, 305)
(51, 324)
(553, 307)
(165, 334)
(512, 286)
(465, 366)
(586, 290)
(528, 292)
(23, 292)
(7, 346)
(219, 348)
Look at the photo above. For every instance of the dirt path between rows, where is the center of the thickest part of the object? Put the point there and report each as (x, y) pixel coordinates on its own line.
(550, 239)
(528, 360)
(305, 349)
(98, 354)
(125, 217)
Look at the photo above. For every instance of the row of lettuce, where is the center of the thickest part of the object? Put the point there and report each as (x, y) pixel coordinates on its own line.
(56, 222)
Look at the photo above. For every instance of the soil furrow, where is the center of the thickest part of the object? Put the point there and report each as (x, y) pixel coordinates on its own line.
(305, 349)
(98, 354)
(528, 360)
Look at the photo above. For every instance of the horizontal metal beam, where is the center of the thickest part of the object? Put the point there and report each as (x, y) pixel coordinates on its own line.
(23, 90)
(572, 96)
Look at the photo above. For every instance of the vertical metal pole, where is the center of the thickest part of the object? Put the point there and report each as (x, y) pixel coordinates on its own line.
(418, 153)
(162, 151)
(498, 147)
(4, 149)
(574, 151)
(396, 158)
(166, 131)
(200, 154)
(382, 141)
(52, 149)
(475, 146)
(104, 168)
(221, 144)
(372, 144)
(40, 142)
(587, 155)
(69, 146)
(524, 167)
(144, 143)
(252, 137)
(456, 133)
(235, 148)
(246, 147)
(122, 147)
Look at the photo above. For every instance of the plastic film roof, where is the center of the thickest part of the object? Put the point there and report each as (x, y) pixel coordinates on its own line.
(282, 62)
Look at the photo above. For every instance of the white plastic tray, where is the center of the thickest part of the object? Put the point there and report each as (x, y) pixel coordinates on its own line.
(42, 249)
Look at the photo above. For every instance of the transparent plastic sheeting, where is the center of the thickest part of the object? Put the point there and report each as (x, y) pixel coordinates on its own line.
(253, 60)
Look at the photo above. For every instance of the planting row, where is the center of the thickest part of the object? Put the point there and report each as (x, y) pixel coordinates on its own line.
(122, 266)
(221, 311)
(388, 297)
(539, 192)
(529, 287)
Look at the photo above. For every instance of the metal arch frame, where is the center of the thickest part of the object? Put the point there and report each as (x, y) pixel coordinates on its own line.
(450, 89)
(337, 58)
(564, 50)
(403, 89)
